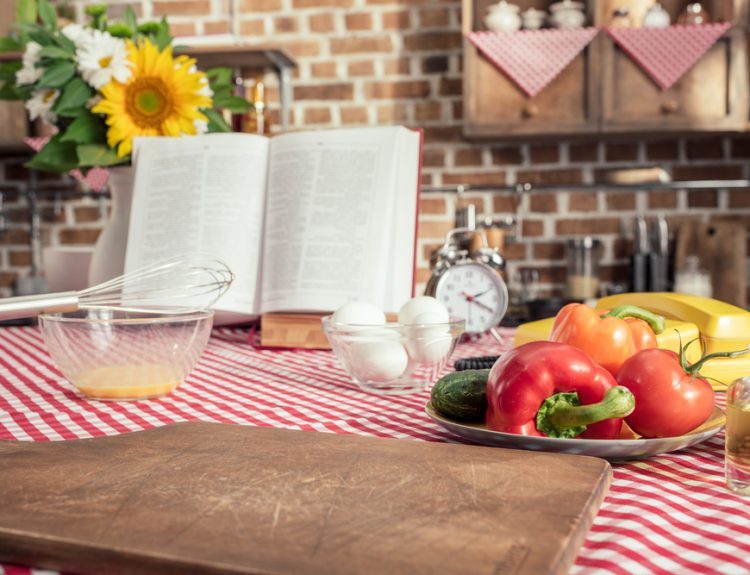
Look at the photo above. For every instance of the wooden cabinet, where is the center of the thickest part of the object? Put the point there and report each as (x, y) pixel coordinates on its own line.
(494, 105)
(603, 90)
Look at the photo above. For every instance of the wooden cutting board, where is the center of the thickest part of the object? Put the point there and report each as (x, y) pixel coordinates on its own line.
(212, 498)
(722, 251)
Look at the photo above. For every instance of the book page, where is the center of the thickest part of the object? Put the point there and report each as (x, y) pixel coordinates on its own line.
(202, 194)
(330, 227)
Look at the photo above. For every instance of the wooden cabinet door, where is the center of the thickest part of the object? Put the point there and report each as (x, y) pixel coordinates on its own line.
(711, 96)
(495, 106)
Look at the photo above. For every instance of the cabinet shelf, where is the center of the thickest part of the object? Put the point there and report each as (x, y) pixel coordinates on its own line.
(592, 187)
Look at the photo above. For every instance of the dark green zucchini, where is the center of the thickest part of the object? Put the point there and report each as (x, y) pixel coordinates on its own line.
(462, 395)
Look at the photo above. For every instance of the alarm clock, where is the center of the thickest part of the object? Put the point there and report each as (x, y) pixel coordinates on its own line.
(468, 284)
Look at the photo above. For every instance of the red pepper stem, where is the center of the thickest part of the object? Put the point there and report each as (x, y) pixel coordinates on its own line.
(656, 322)
(617, 402)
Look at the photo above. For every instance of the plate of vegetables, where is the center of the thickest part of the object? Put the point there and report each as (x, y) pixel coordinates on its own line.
(611, 449)
(633, 401)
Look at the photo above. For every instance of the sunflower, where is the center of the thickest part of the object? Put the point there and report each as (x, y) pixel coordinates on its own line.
(163, 97)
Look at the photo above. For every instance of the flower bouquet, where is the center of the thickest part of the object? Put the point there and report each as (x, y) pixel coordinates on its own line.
(104, 83)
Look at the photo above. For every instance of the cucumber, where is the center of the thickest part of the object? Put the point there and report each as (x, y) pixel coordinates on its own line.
(462, 395)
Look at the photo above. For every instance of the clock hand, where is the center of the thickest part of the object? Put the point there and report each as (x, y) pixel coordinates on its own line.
(473, 299)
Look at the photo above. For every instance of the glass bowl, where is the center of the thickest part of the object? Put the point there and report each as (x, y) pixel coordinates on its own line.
(393, 358)
(124, 354)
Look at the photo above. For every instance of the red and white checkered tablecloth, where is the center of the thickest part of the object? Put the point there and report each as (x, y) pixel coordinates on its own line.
(670, 514)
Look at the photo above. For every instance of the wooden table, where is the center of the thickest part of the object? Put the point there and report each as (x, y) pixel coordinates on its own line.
(669, 514)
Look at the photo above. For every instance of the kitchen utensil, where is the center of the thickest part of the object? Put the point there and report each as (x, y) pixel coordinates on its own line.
(640, 258)
(211, 498)
(659, 257)
(393, 358)
(612, 449)
(122, 354)
(193, 282)
(582, 279)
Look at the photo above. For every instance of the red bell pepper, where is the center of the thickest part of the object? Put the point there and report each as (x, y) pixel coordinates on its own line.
(671, 399)
(608, 337)
(553, 389)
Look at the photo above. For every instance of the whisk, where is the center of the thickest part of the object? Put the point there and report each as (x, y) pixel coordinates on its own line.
(181, 284)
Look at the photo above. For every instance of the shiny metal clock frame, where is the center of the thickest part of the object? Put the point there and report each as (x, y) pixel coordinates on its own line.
(449, 257)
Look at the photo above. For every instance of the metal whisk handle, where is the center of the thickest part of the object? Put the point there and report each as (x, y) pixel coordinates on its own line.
(31, 305)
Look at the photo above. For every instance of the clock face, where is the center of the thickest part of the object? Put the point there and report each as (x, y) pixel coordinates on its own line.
(475, 293)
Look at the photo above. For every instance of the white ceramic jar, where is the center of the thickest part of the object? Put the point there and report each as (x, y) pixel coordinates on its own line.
(533, 19)
(503, 17)
(567, 14)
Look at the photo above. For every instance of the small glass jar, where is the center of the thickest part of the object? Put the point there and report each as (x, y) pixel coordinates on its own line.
(737, 437)
(583, 256)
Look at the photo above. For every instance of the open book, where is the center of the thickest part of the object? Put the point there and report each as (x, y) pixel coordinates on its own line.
(306, 220)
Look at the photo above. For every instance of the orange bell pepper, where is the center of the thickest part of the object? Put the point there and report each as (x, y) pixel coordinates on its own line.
(608, 337)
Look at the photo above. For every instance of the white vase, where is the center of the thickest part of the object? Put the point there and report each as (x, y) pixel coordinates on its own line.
(108, 260)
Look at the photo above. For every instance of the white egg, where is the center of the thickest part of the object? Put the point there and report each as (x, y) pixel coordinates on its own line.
(419, 305)
(427, 344)
(359, 313)
(378, 361)
(367, 334)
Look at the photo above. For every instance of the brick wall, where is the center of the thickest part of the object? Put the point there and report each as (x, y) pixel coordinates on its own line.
(371, 62)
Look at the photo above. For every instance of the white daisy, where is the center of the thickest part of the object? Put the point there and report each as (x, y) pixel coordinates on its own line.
(29, 73)
(206, 89)
(103, 57)
(77, 34)
(40, 104)
(201, 126)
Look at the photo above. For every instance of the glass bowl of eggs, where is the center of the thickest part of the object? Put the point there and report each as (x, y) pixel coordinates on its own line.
(396, 357)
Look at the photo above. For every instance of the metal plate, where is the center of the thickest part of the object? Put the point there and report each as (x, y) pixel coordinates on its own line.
(612, 449)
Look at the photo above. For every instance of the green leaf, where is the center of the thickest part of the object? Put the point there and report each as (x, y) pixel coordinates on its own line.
(9, 92)
(163, 38)
(65, 43)
(86, 129)
(8, 71)
(41, 36)
(129, 19)
(56, 52)
(47, 14)
(216, 122)
(9, 44)
(74, 98)
(232, 103)
(90, 155)
(56, 156)
(26, 12)
(57, 75)
(220, 76)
